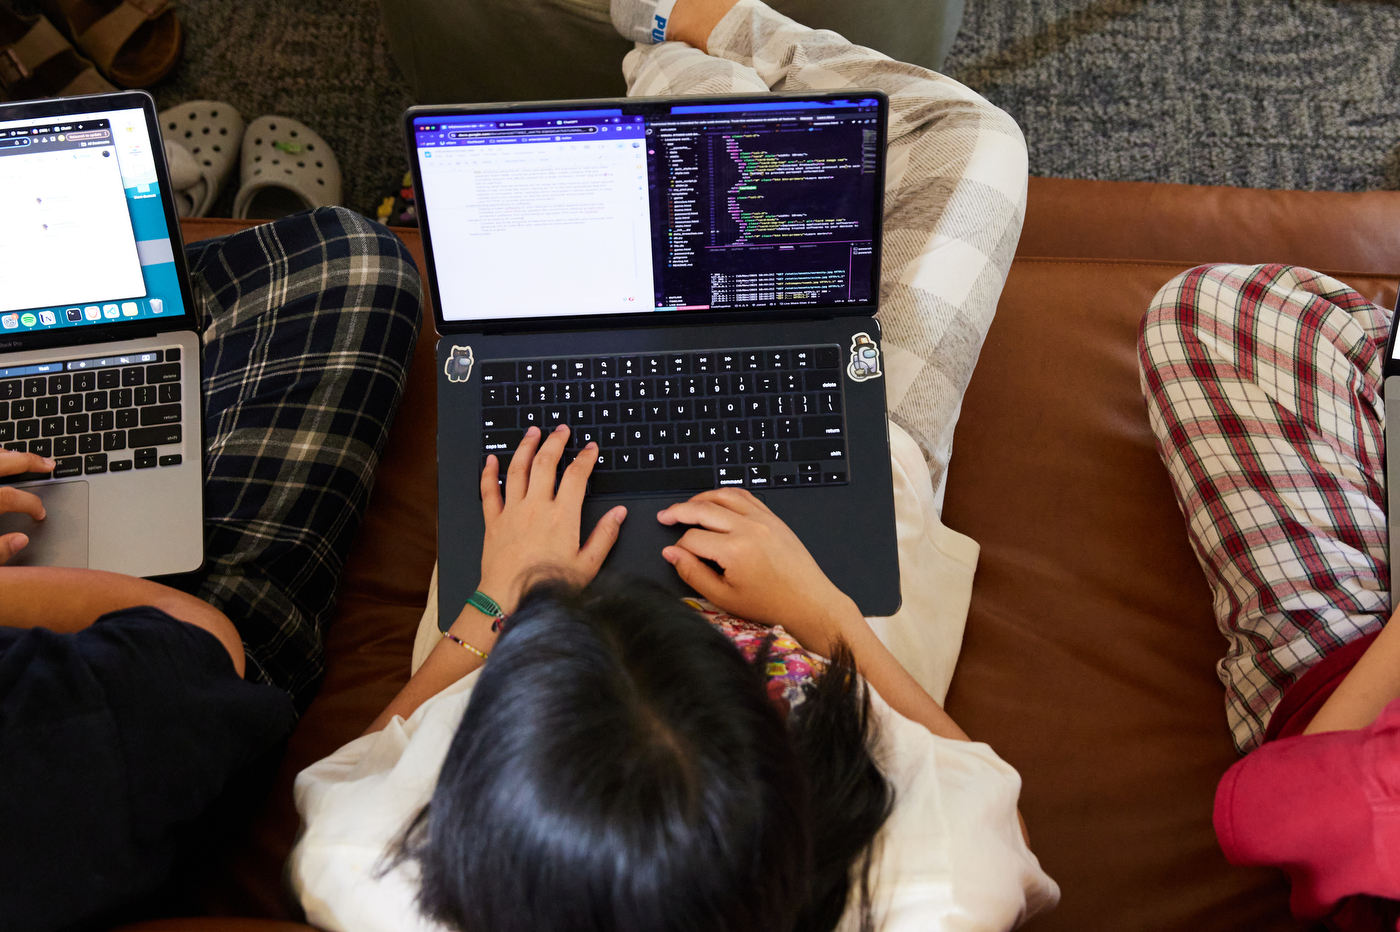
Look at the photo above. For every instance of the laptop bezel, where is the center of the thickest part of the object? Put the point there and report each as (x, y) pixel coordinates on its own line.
(632, 320)
(97, 333)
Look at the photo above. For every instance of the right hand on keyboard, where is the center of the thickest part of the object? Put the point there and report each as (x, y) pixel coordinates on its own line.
(535, 528)
(768, 575)
(18, 500)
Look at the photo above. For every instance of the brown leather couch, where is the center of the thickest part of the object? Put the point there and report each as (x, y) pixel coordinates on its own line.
(1089, 656)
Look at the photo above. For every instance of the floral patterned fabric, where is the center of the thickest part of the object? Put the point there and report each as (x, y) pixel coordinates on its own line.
(789, 668)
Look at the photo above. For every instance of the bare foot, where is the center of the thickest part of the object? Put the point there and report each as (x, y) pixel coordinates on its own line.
(692, 21)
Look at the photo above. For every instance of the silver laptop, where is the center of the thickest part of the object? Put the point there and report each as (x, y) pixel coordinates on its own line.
(99, 359)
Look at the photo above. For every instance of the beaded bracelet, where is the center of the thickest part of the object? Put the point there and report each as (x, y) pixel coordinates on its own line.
(487, 606)
(452, 637)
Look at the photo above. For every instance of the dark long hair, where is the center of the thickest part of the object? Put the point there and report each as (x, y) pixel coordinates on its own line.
(620, 769)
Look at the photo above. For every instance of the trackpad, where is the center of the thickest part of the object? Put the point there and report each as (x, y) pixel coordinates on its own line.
(61, 539)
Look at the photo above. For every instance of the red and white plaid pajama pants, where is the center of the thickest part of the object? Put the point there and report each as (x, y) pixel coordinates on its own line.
(1263, 385)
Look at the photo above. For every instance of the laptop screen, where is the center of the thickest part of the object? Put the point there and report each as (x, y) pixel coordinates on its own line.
(85, 240)
(653, 207)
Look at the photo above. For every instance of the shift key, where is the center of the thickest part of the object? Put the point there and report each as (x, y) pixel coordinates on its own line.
(154, 436)
(152, 415)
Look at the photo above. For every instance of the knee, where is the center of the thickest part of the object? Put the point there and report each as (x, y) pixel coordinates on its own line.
(1206, 298)
(374, 255)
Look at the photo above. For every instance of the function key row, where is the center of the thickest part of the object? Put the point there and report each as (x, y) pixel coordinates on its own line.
(100, 362)
(668, 364)
(661, 389)
(39, 386)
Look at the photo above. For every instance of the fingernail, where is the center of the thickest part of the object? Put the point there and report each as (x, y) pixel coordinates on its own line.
(561, 427)
(590, 445)
(668, 555)
(48, 461)
(532, 432)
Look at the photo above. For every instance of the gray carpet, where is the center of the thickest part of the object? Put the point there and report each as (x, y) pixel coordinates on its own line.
(1261, 93)
(1255, 93)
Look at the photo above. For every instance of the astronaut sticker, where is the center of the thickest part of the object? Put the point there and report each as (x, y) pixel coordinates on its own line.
(865, 358)
(459, 364)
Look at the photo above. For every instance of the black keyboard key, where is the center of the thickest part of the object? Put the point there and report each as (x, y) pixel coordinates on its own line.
(25, 430)
(582, 436)
(45, 407)
(580, 368)
(611, 436)
(155, 375)
(654, 365)
(676, 457)
(828, 357)
(656, 411)
(169, 393)
(111, 378)
(628, 367)
(155, 436)
(4, 410)
(651, 458)
(817, 450)
(70, 404)
(103, 420)
(784, 479)
(18, 446)
(172, 459)
(803, 358)
(497, 418)
(501, 441)
(607, 413)
(11, 388)
(711, 431)
(554, 415)
(68, 466)
(60, 384)
(727, 454)
(517, 394)
(23, 408)
(90, 443)
(580, 415)
(761, 430)
(114, 440)
(631, 412)
(736, 430)
(730, 407)
(528, 371)
(542, 394)
(687, 433)
(51, 426)
(119, 398)
(119, 465)
(146, 394)
(822, 381)
(637, 435)
(495, 373)
(84, 381)
(729, 475)
(604, 368)
(678, 364)
(43, 447)
(491, 395)
(65, 446)
(775, 451)
(753, 361)
(824, 426)
(128, 417)
(33, 388)
(832, 475)
(531, 417)
(95, 464)
(756, 406)
(554, 370)
(663, 434)
(624, 458)
(789, 382)
(779, 359)
(642, 389)
(652, 480)
(171, 354)
(160, 414)
(95, 401)
(727, 362)
(133, 376)
(757, 477)
(78, 424)
(145, 458)
(702, 455)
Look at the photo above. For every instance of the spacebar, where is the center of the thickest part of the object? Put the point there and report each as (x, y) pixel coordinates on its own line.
(652, 480)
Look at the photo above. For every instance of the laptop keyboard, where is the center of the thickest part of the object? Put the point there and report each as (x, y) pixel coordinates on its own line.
(96, 416)
(756, 418)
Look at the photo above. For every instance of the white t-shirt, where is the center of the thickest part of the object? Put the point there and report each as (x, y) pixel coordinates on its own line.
(950, 856)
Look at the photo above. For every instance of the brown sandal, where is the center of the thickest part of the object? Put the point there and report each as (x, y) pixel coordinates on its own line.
(133, 42)
(36, 61)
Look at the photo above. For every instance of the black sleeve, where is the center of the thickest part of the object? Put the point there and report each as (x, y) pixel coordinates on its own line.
(111, 740)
